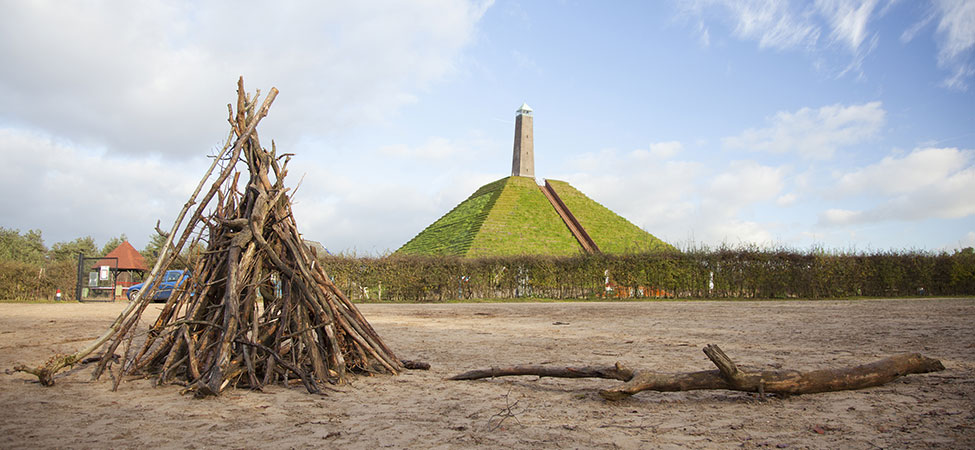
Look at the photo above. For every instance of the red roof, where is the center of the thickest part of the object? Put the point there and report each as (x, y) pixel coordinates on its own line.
(128, 258)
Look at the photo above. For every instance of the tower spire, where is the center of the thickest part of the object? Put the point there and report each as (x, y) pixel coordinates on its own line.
(523, 160)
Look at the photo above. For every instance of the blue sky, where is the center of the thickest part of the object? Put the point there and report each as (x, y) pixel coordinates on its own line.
(847, 125)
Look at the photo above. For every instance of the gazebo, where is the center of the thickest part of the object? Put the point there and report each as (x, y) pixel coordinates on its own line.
(130, 262)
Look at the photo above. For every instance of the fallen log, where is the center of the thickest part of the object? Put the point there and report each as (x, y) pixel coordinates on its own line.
(728, 376)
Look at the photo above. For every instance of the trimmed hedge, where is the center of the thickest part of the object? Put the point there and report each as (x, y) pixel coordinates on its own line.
(723, 273)
(738, 273)
(22, 281)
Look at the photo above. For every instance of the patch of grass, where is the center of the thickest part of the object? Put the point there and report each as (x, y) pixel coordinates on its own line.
(611, 232)
(33, 300)
(522, 222)
(453, 233)
(511, 217)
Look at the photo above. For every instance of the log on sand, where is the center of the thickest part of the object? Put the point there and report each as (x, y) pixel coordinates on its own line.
(728, 376)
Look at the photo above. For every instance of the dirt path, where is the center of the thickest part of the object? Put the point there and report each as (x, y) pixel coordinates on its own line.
(421, 410)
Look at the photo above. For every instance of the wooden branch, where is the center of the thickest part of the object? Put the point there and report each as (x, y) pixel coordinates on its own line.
(617, 372)
(258, 307)
(729, 376)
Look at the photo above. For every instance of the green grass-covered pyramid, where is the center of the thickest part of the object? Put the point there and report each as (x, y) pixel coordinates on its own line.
(512, 216)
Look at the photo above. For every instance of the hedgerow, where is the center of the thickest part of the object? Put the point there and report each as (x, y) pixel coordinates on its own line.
(724, 273)
(24, 281)
(743, 273)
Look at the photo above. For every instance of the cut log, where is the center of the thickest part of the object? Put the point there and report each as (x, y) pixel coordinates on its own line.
(617, 372)
(728, 376)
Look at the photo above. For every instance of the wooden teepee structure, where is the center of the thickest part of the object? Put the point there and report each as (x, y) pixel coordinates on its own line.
(257, 308)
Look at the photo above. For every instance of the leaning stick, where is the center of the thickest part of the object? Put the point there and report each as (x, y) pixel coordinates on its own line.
(45, 373)
(164, 258)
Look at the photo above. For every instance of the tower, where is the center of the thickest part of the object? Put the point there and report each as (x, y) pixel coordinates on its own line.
(523, 160)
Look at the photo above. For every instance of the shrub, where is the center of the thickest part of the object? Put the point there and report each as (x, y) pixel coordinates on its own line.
(746, 273)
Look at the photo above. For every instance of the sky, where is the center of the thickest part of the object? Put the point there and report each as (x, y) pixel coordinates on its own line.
(829, 124)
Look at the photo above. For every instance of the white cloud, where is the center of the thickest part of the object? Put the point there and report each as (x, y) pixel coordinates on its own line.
(848, 20)
(666, 150)
(107, 108)
(803, 25)
(786, 199)
(921, 169)
(955, 37)
(956, 31)
(384, 212)
(672, 197)
(813, 133)
(773, 24)
(957, 26)
(705, 35)
(155, 76)
(927, 183)
(654, 195)
(658, 151)
(836, 216)
(911, 32)
(744, 183)
(68, 192)
(435, 148)
(735, 231)
(958, 80)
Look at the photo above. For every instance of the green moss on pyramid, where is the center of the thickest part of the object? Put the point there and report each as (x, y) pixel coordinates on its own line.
(611, 232)
(453, 233)
(523, 222)
(512, 216)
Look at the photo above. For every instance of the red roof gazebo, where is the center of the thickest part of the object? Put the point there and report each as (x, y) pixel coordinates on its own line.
(129, 261)
(128, 258)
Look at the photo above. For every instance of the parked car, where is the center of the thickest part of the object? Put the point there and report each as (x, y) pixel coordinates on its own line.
(172, 279)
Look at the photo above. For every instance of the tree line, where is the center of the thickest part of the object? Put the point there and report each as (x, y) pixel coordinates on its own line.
(726, 273)
(31, 270)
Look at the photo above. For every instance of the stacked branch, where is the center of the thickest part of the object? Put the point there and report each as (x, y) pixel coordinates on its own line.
(257, 308)
(728, 376)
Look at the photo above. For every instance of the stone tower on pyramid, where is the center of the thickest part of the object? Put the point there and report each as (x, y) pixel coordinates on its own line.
(523, 160)
(517, 216)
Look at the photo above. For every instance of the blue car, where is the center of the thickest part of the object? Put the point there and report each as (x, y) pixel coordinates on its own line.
(170, 280)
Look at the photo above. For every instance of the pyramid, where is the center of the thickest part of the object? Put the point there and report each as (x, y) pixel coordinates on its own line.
(512, 216)
(516, 216)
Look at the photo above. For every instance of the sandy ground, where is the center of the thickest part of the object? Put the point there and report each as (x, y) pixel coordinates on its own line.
(421, 410)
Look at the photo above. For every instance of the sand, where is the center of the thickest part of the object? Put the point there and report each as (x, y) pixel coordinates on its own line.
(419, 409)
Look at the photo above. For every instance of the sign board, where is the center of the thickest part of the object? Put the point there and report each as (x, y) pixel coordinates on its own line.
(103, 273)
(92, 278)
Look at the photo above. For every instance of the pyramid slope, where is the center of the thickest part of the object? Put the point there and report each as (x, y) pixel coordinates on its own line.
(611, 232)
(512, 216)
(453, 233)
(523, 222)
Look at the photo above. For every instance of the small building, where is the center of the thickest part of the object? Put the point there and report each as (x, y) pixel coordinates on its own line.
(131, 265)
